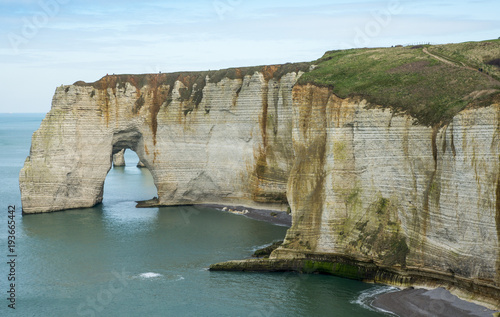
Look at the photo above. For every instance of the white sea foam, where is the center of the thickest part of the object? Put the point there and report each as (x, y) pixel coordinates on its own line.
(366, 298)
(258, 247)
(150, 275)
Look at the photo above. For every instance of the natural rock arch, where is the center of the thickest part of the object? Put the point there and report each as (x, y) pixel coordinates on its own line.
(230, 143)
(241, 141)
(366, 185)
(73, 165)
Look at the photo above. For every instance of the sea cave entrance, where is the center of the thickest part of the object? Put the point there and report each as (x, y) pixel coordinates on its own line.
(128, 180)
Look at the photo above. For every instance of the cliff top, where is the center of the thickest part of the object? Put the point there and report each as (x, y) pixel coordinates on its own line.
(432, 83)
(195, 81)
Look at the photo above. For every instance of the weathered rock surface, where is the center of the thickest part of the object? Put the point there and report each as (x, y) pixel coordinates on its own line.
(140, 164)
(372, 195)
(376, 198)
(374, 187)
(226, 142)
(119, 158)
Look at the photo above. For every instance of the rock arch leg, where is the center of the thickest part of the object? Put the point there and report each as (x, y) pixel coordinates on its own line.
(67, 165)
(69, 162)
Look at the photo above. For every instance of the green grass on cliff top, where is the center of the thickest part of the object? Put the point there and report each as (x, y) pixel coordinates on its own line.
(432, 89)
(432, 83)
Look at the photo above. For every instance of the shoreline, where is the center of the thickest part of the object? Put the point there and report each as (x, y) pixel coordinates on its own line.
(279, 218)
(420, 302)
(276, 217)
(411, 301)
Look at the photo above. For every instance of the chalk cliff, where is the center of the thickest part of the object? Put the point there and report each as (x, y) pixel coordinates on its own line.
(375, 188)
(206, 138)
(376, 198)
(376, 193)
(119, 158)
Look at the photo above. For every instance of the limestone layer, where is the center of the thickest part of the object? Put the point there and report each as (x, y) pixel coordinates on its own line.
(363, 183)
(227, 142)
(372, 186)
(119, 159)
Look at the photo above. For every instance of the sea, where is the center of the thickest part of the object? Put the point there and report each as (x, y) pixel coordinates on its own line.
(117, 260)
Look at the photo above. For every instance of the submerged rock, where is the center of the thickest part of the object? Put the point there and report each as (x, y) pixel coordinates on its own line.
(266, 252)
(154, 202)
(140, 164)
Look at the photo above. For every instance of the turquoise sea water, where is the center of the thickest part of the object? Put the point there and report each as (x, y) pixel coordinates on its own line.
(116, 260)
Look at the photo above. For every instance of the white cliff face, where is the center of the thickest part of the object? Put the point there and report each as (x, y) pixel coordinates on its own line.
(225, 149)
(361, 181)
(211, 153)
(378, 188)
(70, 154)
(119, 158)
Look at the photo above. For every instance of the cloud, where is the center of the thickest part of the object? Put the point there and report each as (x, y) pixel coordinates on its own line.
(86, 40)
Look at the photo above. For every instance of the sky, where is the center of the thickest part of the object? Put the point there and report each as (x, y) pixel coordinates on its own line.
(47, 43)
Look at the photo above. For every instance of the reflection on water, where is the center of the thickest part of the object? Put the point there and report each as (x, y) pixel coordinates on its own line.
(124, 215)
(118, 207)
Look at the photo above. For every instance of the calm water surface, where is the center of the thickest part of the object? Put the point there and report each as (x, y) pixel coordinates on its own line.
(116, 260)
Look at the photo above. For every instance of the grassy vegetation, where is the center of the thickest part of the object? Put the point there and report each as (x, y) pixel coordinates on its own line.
(408, 80)
(475, 54)
(430, 83)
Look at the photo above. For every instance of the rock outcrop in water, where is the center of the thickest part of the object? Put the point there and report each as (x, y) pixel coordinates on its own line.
(119, 158)
(374, 196)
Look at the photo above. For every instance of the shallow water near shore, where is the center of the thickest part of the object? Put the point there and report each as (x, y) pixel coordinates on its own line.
(117, 260)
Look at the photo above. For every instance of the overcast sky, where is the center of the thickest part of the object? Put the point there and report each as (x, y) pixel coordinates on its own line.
(46, 43)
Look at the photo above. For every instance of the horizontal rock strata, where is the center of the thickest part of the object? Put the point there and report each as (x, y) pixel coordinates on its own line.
(205, 139)
(373, 195)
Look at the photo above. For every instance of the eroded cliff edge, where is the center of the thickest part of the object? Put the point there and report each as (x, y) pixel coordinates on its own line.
(379, 189)
(206, 137)
(405, 193)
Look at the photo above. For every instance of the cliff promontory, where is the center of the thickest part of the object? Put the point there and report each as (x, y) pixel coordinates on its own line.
(389, 159)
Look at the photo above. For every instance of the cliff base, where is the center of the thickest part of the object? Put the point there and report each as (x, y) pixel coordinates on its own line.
(368, 271)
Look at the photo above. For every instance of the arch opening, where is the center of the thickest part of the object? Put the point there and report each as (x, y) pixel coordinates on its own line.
(127, 139)
(129, 177)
